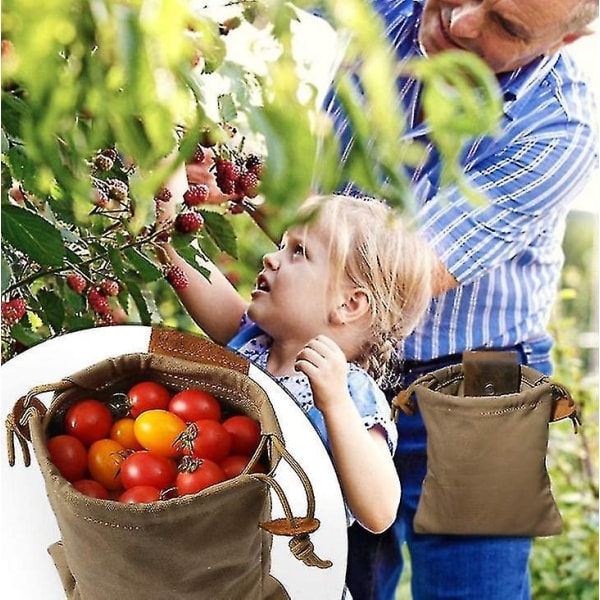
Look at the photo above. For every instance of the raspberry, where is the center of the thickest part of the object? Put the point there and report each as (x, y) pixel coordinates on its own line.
(109, 287)
(13, 311)
(254, 164)
(196, 194)
(247, 184)
(102, 162)
(177, 278)
(188, 222)
(163, 195)
(236, 208)
(117, 189)
(111, 153)
(227, 173)
(98, 302)
(76, 282)
(198, 154)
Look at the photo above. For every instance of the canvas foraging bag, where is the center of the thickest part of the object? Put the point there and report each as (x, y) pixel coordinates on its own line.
(487, 436)
(211, 545)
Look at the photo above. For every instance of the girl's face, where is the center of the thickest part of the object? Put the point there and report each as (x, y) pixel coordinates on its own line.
(291, 299)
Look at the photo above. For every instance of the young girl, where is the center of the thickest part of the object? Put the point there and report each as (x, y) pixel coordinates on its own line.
(346, 284)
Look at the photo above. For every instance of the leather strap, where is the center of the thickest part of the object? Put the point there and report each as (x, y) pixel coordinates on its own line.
(491, 373)
(187, 346)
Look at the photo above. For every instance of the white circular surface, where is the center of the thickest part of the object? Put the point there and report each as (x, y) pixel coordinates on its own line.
(29, 526)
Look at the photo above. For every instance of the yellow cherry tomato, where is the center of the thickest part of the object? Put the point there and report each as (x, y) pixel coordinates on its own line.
(156, 430)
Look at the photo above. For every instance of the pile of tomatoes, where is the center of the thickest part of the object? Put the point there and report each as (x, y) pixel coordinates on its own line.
(169, 444)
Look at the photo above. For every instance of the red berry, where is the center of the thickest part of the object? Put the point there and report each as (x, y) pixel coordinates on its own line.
(163, 195)
(247, 184)
(177, 278)
(254, 164)
(109, 287)
(188, 222)
(76, 282)
(13, 311)
(198, 154)
(236, 208)
(196, 194)
(98, 302)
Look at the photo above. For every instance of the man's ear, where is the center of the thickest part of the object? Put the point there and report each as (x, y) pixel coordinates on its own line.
(353, 306)
(569, 38)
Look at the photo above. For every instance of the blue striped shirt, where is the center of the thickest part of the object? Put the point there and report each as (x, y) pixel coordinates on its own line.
(507, 255)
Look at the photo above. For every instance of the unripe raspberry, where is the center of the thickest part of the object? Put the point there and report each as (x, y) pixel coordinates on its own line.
(102, 162)
(109, 287)
(76, 282)
(117, 190)
(196, 194)
(98, 302)
(177, 278)
(188, 222)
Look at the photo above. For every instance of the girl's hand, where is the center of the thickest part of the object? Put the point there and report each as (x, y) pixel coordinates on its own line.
(326, 367)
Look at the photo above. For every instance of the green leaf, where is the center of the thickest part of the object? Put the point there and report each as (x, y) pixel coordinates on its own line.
(32, 235)
(6, 274)
(52, 308)
(25, 335)
(221, 231)
(139, 300)
(227, 109)
(145, 268)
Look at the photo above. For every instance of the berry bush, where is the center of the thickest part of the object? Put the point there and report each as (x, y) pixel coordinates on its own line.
(97, 99)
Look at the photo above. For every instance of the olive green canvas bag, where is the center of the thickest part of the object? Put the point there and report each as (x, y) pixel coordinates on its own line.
(487, 422)
(212, 545)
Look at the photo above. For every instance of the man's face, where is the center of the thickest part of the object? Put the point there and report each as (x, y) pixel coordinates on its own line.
(506, 34)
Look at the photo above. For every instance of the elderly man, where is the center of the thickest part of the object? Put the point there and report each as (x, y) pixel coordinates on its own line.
(499, 264)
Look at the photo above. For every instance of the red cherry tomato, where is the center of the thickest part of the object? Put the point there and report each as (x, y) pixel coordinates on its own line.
(147, 468)
(206, 439)
(91, 488)
(69, 456)
(245, 434)
(147, 395)
(194, 404)
(89, 420)
(156, 430)
(104, 462)
(122, 432)
(200, 476)
(140, 494)
(234, 464)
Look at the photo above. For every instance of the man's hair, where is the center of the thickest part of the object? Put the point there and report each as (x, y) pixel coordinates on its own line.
(583, 14)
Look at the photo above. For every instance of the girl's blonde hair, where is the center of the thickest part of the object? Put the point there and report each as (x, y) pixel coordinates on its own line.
(379, 251)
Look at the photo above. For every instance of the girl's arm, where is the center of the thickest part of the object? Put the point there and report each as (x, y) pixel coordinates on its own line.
(214, 305)
(362, 459)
